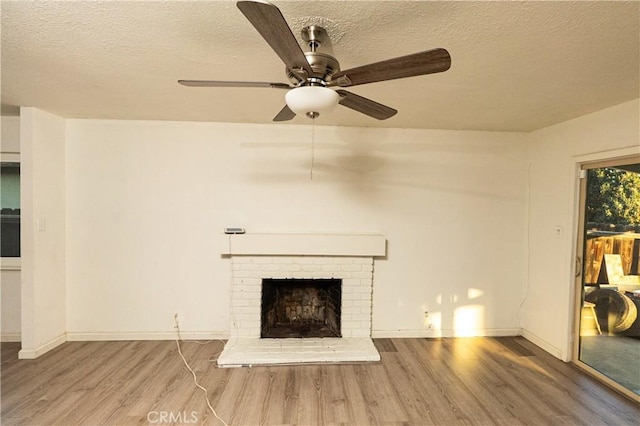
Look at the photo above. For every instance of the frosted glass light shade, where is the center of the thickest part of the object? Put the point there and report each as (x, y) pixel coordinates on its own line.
(306, 99)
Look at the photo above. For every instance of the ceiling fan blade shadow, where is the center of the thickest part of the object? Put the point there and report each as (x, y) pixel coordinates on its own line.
(365, 106)
(216, 83)
(268, 20)
(427, 62)
(285, 114)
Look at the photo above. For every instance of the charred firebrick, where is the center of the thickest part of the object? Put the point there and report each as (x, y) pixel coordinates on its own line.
(300, 307)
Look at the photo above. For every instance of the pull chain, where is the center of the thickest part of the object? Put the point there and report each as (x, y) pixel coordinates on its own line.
(313, 147)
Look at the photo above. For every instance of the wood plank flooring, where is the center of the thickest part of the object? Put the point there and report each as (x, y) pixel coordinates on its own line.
(470, 381)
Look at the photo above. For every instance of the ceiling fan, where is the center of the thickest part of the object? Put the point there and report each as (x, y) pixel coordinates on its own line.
(313, 74)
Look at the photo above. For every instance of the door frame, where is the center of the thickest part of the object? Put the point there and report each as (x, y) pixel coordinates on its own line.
(582, 167)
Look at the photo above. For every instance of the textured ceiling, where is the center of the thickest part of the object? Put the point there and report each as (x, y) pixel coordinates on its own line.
(515, 65)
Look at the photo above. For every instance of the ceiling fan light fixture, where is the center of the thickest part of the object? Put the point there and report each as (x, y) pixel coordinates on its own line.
(311, 100)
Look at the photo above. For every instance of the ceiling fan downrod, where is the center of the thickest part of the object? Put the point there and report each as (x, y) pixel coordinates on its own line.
(314, 36)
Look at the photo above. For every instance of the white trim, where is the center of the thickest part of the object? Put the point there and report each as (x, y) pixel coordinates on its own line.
(368, 245)
(11, 263)
(413, 334)
(146, 335)
(10, 157)
(543, 344)
(11, 337)
(42, 349)
(609, 154)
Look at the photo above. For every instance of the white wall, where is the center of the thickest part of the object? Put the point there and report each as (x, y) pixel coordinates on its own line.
(10, 275)
(147, 203)
(10, 127)
(554, 156)
(42, 154)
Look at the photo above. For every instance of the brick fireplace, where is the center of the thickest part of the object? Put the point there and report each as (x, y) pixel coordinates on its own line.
(320, 258)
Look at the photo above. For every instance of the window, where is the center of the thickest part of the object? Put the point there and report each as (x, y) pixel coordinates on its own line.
(10, 207)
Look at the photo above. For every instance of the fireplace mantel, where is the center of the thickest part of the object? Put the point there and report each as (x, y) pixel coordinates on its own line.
(307, 244)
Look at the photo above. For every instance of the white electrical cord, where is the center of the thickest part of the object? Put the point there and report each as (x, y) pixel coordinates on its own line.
(195, 379)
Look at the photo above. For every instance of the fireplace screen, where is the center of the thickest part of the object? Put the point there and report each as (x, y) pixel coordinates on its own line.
(300, 308)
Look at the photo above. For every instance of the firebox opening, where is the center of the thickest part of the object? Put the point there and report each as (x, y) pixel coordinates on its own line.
(301, 308)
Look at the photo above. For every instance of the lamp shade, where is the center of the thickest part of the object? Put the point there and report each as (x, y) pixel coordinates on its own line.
(311, 99)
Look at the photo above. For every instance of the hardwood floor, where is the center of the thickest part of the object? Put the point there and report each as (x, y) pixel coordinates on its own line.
(484, 381)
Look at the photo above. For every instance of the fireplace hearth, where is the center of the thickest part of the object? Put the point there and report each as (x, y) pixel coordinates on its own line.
(300, 308)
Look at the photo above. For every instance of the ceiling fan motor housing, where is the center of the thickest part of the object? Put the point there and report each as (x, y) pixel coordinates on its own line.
(323, 67)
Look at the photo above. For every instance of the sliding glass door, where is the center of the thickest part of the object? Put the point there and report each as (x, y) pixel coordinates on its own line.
(608, 315)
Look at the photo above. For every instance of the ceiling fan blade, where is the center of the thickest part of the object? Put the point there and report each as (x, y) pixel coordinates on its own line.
(214, 83)
(268, 20)
(285, 114)
(427, 62)
(365, 106)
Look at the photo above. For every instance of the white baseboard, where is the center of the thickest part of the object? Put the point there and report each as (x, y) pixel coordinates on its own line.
(146, 335)
(542, 344)
(482, 332)
(11, 337)
(42, 349)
